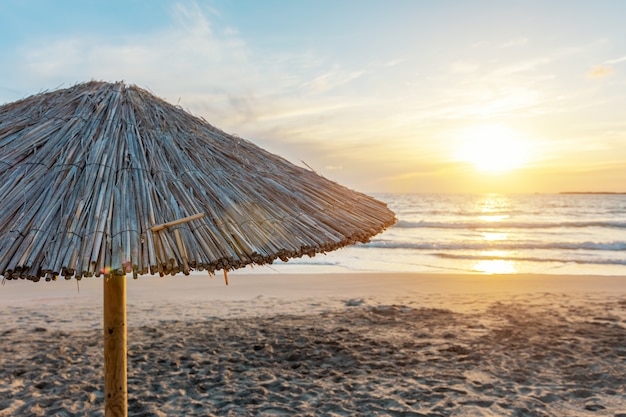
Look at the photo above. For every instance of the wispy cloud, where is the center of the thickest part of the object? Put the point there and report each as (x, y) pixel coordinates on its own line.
(464, 67)
(616, 60)
(393, 63)
(523, 66)
(392, 104)
(600, 71)
(210, 68)
(286, 110)
(190, 50)
(289, 100)
(333, 167)
(500, 44)
(515, 42)
(330, 80)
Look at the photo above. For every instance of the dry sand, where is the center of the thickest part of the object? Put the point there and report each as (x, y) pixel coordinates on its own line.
(324, 345)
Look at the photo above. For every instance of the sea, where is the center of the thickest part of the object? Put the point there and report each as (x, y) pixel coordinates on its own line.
(489, 234)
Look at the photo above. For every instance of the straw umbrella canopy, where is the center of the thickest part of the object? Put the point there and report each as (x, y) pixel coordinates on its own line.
(105, 179)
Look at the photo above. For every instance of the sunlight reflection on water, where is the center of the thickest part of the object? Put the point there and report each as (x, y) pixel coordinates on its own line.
(494, 236)
(494, 209)
(495, 266)
(492, 218)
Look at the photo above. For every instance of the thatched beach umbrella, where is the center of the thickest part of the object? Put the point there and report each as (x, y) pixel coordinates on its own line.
(106, 180)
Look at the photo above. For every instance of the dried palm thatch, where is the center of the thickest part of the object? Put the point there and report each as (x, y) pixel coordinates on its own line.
(101, 178)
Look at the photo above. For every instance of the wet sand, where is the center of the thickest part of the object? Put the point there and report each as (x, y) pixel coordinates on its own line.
(324, 345)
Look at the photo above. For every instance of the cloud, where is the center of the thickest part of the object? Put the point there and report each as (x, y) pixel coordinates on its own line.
(330, 80)
(515, 42)
(600, 71)
(616, 60)
(333, 167)
(207, 66)
(393, 63)
(197, 59)
(522, 66)
(500, 44)
(286, 110)
(463, 67)
(192, 52)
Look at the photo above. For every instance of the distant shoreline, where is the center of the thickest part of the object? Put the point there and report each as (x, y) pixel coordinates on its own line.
(591, 192)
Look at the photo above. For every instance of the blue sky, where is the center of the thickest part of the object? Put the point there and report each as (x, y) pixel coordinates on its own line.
(379, 95)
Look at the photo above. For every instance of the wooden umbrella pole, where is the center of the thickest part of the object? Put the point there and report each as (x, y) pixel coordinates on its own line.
(115, 385)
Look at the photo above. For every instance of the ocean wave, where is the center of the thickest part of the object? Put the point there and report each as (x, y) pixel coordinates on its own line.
(508, 225)
(499, 245)
(581, 261)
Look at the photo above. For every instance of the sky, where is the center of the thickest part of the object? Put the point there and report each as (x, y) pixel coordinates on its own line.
(381, 96)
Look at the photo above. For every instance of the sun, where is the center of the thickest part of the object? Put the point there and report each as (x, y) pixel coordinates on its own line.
(493, 148)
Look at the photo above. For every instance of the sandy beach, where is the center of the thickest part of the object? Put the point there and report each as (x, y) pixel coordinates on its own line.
(369, 344)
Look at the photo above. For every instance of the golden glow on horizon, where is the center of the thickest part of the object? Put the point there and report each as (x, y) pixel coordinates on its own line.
(495, 266)
(493, 148)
